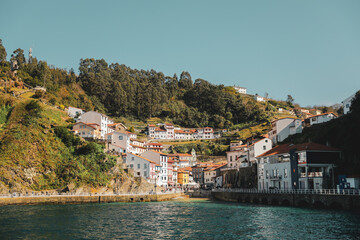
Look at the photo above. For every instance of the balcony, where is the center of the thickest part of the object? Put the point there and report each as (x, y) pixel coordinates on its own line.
(275, 178)
(311, 174)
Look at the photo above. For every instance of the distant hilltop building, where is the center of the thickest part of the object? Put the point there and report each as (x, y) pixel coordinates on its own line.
(241, 90)
(347, 103)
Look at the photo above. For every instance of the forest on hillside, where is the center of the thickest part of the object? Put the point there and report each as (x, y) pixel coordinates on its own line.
(120, 91)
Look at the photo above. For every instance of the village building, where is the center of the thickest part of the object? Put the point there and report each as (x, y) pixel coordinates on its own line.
(347, 103)
(211, 173)
(119, 139)
(245, 155)
(118, 127)
(143, 167)
(157, 147)
(321, 118)
(74, 112)
(183, 177)
(282, 128)
(87, 130)
(300, 166)
(98, 118)
(259, 98)
(240, 90)
(184, 134)
(161, 159)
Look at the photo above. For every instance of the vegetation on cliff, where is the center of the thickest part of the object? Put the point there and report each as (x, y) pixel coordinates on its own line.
(38, 152)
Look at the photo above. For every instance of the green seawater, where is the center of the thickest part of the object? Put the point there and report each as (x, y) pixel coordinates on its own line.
(175, 220)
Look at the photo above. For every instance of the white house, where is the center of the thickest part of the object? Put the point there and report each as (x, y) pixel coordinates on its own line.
(98, 118)
(300, 166)
(161, 159)
(259, 98)
(241, 90)
(143, 167)
(284, 127)
(347, 103)
(259, 147)
(325, 117)
(74, 112)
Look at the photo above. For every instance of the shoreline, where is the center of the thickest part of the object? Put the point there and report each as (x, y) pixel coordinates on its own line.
(73, 199)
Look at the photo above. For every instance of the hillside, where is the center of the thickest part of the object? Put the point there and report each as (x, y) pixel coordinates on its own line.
(38, 152)
(342, 133)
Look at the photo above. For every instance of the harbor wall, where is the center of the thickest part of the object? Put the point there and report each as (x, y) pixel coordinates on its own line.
(68, 199)
(345, 202)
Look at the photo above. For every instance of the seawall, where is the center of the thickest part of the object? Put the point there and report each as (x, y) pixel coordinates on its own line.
(72, 199)
(345, 202)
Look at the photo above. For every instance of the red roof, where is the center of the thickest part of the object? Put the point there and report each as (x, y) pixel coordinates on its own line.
(322, 115)
(285, 148)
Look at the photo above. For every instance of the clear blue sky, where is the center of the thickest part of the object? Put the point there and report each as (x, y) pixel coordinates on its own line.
(309, 49)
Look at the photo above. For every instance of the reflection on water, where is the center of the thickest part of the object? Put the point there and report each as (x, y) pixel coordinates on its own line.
(175, 220)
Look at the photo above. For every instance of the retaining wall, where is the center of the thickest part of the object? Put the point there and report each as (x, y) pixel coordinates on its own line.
(86, 199)
(346, 202)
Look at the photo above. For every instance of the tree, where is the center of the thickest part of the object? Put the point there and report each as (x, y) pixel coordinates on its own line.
(3, 53)
(290, 100)
(18, 55)
(185, 80)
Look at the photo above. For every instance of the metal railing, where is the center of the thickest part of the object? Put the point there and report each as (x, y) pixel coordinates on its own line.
(47, 194)
(293, 191)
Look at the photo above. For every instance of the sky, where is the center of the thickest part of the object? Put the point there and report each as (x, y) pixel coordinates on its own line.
(308, 49)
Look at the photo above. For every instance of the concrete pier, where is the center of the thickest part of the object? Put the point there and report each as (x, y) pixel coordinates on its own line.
(330, 201)
(73, 199)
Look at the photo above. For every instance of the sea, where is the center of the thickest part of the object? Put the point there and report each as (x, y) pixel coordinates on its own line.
(179, 219)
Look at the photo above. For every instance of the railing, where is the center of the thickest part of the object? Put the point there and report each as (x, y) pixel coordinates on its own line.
(293, 191)
(47, 194)
(312, 174)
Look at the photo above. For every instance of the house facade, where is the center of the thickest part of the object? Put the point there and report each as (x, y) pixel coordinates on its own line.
(325, 117)
(282, 128)
(162, 160)
(142, 167)
(98, 118)
(74, 112)
(119, 139)
(241, 90)
(87, 130)
(300, 166)
(347, 104)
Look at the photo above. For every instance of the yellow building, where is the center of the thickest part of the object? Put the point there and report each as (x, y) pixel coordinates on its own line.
(183, 177)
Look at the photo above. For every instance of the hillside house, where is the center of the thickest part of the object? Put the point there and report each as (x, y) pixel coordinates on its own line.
(98, 118)
(282, 128)
(161, 159)
(75, 112)
(347, 103)
(325, 117)
(87, 130)
(143, 167)
(240, 90)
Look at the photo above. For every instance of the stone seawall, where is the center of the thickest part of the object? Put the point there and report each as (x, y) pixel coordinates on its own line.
(87, 199)
(345, 202)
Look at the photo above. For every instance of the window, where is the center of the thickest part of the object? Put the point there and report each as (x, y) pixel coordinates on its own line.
(138, 166)
(266, 140)
(264, 147)
(120, 137)
(230, 158)
(285, 173)
(132, 158)
(131, 165)
(145, 174)
(144, 165)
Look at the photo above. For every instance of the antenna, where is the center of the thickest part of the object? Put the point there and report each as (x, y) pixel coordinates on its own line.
(30, 55)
